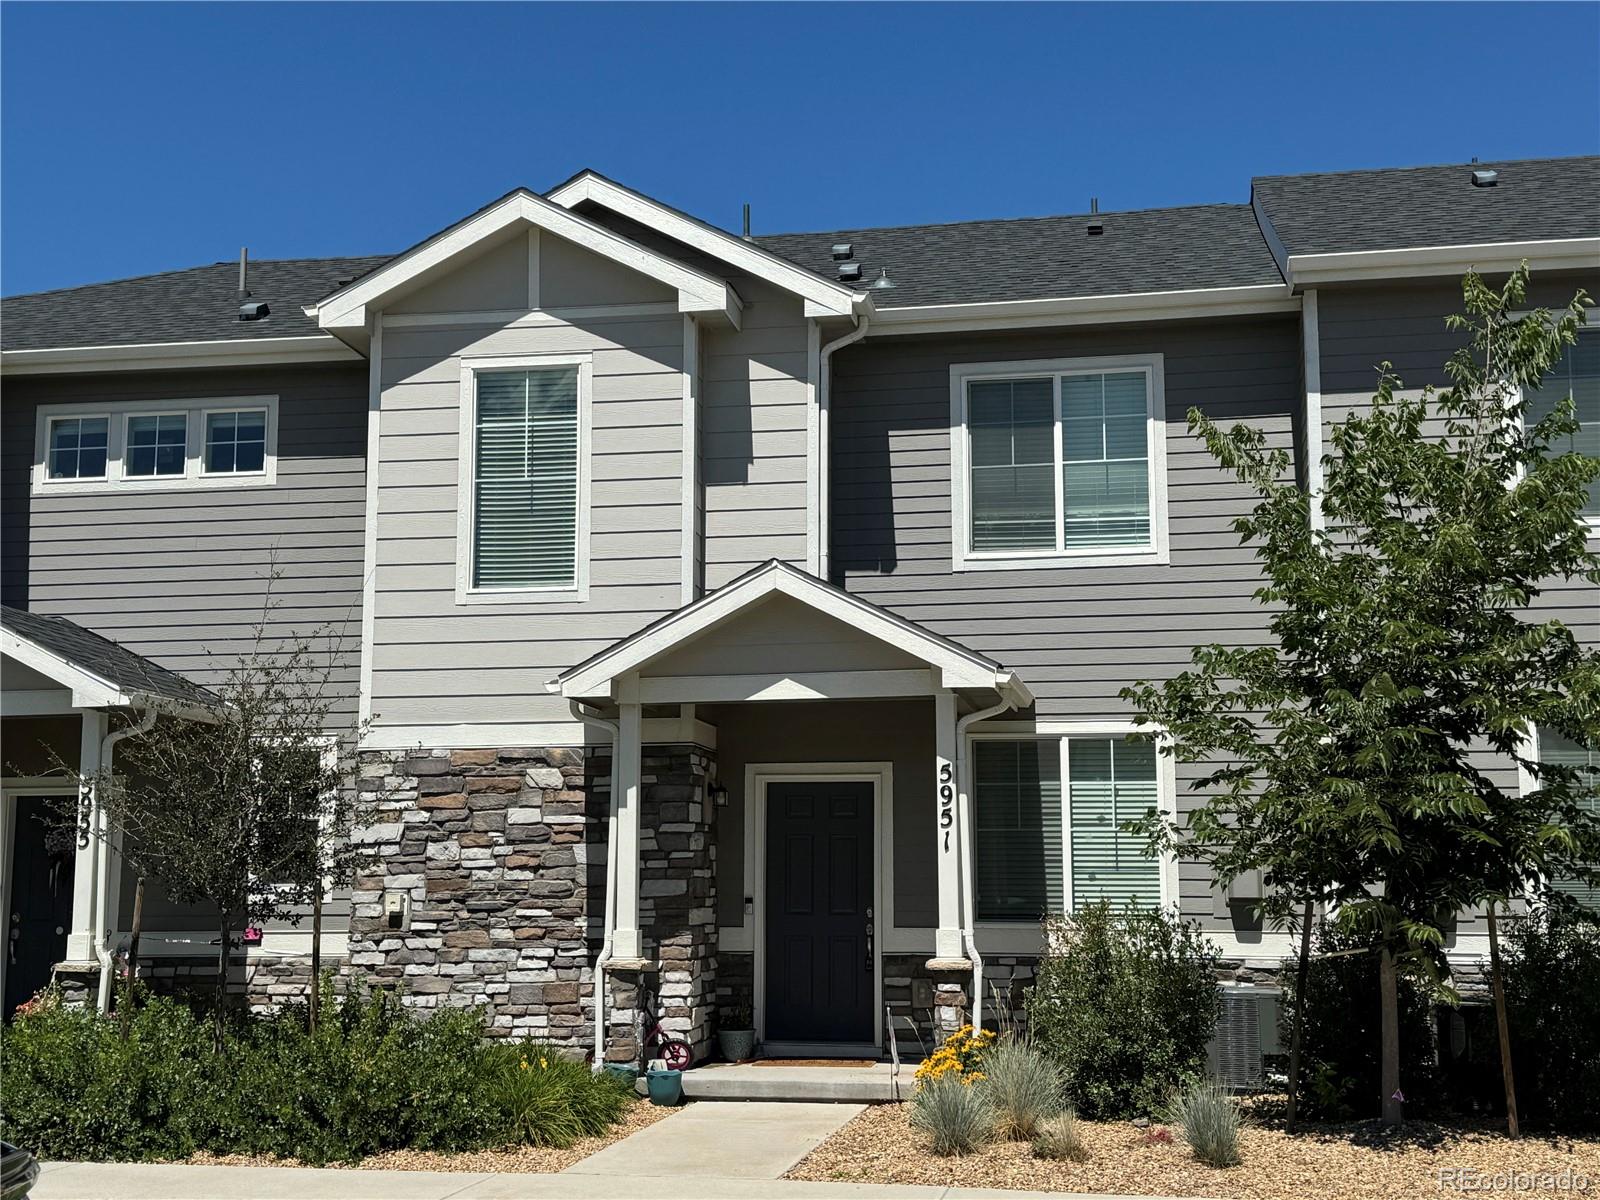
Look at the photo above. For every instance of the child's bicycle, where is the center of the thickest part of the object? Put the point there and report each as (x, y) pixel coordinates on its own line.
(656, 1042)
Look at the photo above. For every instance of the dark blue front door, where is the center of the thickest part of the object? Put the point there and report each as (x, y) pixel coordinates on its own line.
(819, 908)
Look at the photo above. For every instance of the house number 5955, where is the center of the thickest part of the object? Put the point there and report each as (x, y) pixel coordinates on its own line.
(947, 801)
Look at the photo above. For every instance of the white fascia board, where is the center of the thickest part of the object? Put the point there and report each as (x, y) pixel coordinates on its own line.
(827, 299)
(958, 669)
(697, 292)
(88, 689)
(1086, 310)
(166, 356)
(1552, 254)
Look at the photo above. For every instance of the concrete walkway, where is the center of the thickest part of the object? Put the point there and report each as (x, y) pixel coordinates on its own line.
(140, 1181)
(758, 1140)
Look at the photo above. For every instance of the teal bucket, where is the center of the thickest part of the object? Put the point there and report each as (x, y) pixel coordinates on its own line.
(665, 1087)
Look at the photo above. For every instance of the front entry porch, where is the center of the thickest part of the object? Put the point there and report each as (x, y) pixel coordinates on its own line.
(834, 821)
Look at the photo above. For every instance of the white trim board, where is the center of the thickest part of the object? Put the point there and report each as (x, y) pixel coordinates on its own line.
(369, 539)
(657, 731)
(1551, 254)
(1154, 553)
(822, 297)
(88, 689)
(1188, 304)
(756, 778)
(171, 356)
(347, 312)
(958, 667)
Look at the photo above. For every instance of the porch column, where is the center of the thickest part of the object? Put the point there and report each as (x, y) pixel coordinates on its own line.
(86, 879)
(625, 941)
(947, 945)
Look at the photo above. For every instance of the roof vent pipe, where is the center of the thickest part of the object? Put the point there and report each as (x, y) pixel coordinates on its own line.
(244, 267)
(747, 221)
(1094, 204)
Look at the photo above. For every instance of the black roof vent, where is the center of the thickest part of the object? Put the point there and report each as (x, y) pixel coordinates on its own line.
(1485, 178)
(254, 310)
(1096, 227)
(849, 271)
(842, 251)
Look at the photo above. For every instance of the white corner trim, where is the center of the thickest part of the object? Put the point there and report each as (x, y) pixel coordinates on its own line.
(1551, 254)
(466, 466)
(1188, 304)
(167, 356)
(1154, 553)
(369, 539)
(823, 297)
(689, 547)
(1311, 339)
(816, 466)
(117, 415)
(348, 309)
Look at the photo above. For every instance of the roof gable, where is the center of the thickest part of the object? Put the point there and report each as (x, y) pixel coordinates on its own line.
(97, 671)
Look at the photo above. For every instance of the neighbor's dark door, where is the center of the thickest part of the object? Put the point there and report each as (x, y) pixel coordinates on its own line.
(819, 911)
(40, 910)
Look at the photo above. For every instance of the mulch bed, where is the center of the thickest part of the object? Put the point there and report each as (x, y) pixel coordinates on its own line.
(1353, 1162)
(524, 1160)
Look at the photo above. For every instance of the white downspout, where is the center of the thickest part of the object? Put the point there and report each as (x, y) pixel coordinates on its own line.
(609, 919)
(103, 920)
(824, 389)
(964, 832)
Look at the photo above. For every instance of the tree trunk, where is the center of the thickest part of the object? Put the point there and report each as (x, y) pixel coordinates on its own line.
(1302, 977)
(315, 1008)
(224, 926)
(1497, 986)
(125, 1005)
(1389, 998)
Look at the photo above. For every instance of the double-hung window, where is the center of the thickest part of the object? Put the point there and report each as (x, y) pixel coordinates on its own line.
(523, 514)
(1058, 461)
(1577, 375)
(1562, 751)
(132, 445)
(1048, 817)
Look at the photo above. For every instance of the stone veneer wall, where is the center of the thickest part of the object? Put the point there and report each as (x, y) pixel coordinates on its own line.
(494, 849)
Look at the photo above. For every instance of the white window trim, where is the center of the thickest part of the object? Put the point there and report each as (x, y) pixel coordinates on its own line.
(1155, 553)
(1593, 522)
(194, 411)
(576, 592)
(1025, 936)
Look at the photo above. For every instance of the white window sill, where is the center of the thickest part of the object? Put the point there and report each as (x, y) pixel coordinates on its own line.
(152, 483)
(565, 595)
(1133, 556)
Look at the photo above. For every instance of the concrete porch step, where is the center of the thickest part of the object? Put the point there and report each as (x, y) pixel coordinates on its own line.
(873, 1084)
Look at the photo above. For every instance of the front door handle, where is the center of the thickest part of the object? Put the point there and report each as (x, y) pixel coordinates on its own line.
(869, 941)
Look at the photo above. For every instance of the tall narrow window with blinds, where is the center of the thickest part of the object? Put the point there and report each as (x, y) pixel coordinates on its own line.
(1577, 375)
(1017, 813)
(1563, 751)
(1111, 781)
(525, 479)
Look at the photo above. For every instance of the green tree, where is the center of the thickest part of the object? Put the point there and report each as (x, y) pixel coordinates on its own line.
(1348, 758)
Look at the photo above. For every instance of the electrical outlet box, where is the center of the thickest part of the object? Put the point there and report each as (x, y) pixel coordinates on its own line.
(397, 910)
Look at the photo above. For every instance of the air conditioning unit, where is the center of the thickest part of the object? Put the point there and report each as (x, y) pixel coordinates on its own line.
(1246, 1036)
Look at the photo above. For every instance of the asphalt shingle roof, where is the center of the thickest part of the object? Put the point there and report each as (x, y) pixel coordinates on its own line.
(1535, 199)
(1035, 258)
(132, 673)
(200, 304)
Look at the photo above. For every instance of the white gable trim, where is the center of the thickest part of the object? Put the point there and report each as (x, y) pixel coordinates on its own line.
(1553, 254)
(171, 356)
(823, 298)
(956, 667)
(88, 689)
(697, 292)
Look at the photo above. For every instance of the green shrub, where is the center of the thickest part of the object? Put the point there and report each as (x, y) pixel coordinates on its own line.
(1552, 980)
(956, 1116)
(1209, 1118)
(1125, 1004)
(1340, 1067)
(1060, 1138)
(550, 1100)
(1022, 1086)
(372, 1077)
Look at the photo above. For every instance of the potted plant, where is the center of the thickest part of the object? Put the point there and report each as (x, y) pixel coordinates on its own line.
(736, 1034)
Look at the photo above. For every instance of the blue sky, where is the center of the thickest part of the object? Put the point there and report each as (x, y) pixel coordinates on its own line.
(148, 137)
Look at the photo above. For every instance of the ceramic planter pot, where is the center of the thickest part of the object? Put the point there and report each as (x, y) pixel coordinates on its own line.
(736, 1044)
(665, 1087)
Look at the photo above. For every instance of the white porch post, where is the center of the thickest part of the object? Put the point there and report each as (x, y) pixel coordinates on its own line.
(626, 769)
(87, 891)
(947, 941)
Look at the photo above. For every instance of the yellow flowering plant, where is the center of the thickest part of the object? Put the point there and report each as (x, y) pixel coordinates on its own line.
(959, 1057)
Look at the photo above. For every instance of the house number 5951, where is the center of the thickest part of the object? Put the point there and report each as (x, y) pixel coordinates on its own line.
(947, 801)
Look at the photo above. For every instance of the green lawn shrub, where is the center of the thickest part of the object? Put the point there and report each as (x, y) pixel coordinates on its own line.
(954, 1113)
(1125, 1003)
(1552, 979)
